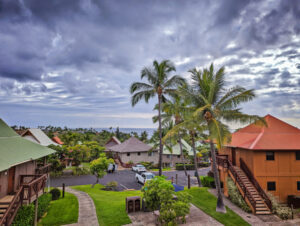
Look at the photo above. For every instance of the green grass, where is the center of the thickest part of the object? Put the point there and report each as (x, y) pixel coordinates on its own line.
(110, 205)
(61, 211)
(205, 201)
(164, 169)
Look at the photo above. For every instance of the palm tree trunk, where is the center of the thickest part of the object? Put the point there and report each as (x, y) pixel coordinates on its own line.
(160, 136)
(181, 152)
(220, 204)
(195, 158)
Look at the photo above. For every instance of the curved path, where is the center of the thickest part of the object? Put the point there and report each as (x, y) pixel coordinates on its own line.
(87, 211)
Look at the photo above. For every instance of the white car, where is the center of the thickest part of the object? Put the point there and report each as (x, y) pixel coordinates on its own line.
(139, 168)
(143, 177)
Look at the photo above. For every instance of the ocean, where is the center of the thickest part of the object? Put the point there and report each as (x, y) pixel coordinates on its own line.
(150, 131)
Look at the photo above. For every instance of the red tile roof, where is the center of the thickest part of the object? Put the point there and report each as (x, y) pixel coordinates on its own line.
(57, 140)
(278, 135)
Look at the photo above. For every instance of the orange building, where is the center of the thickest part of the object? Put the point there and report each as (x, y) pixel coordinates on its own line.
(261, 160)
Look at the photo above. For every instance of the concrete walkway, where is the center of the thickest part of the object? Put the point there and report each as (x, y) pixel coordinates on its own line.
(87, 211)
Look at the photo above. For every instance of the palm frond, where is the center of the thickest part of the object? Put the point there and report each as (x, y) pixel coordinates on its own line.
(146, 95)
(136, 86)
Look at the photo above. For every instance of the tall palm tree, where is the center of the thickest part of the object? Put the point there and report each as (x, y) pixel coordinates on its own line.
(216, 105)
(190, 124)
(159, 84)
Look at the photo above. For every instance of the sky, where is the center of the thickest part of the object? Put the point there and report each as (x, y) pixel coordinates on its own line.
(71, 62)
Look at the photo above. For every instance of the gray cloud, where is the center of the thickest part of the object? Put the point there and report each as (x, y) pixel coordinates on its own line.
(80, 56)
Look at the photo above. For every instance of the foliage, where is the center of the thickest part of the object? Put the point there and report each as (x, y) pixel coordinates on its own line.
(154, 190)
(111, 186)
(77, 171)
(61, 212)
(206, 201)
(148, 165)
(283, 212)
(208, 182)
(179, 166)
(110, 205)
(159, 194)
(98, 167)
(236, 197)
(55, 192)
(25, 215)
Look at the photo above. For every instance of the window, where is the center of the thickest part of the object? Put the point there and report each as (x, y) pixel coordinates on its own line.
(139, 153)
(168, 156)
(297, 155)
(178, 156)
(270, 155)
(298, 185)
(128, 154)
(150, 153)
(271, 186)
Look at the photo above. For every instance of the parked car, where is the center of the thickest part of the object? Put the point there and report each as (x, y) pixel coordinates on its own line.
(143, 177)
(139, 168)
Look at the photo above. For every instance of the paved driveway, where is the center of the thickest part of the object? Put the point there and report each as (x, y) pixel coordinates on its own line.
(125, 179)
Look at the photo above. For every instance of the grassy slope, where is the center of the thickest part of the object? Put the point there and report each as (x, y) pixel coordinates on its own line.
(61, 211)
(207, 203)
(110, 205)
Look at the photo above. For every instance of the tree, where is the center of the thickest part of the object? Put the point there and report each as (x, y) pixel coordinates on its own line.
(216, 105)
(158, 85)
(99, 166)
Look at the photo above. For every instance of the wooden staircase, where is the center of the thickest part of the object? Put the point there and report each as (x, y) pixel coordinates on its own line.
(261, 207)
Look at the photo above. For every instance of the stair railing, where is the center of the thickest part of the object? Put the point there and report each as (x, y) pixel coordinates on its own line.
(224, 161)
(259, 189)
(13, 207)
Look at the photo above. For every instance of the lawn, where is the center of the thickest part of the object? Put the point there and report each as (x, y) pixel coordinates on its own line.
(205, 201)
(164, 169)
(110, 205)
(61, 211)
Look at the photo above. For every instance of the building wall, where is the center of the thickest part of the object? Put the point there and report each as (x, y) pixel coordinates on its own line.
(135, 158)
(284, 170)
(25, 168)
(30, 138)
(171, 160)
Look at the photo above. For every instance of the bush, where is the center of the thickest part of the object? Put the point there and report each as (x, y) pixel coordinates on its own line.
(148, 165)
(203, 164)
(25, 215)
(208, 182)
(210, 174)
(236, 197)
(111, 186)
(77, 171)
(283, 212)
(187, 166)
(55, 192)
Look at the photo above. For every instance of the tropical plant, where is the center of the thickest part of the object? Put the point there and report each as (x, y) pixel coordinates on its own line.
(99, 166)
(159, 84)
(215, 105)
(173, 111)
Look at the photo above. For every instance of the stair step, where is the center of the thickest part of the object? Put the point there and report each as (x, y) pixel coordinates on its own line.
(262, 209)
(2, 210)
(260, 205)
(1, 215)
(263, 213)
(3, 206)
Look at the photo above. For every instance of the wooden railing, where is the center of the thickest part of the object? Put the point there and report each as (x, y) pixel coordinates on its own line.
(226, 163)
(261, 192)
(13, 207)
(43, 169)
(34, 186)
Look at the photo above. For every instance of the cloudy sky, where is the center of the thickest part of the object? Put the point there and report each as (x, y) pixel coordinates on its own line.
(71, 62)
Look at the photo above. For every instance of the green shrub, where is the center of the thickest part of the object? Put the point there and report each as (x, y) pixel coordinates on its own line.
(203, 164)
(236, 197)
(43, 204)
(111, 186)
(210, 173)
(25, 215)
(187, 166)
(283, 212)
(55, 192)
(208, 182)
(77, 171)
(148, 165)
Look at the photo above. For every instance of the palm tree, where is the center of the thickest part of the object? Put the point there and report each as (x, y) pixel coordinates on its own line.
(174, 110)
(159, 84)
(194, 128)
(216, 105)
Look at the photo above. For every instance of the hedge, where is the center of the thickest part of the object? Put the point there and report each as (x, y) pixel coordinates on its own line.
(208, 182)
(179, 166)
(25, 215)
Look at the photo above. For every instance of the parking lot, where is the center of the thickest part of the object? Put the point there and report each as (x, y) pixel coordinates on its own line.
(125, 179)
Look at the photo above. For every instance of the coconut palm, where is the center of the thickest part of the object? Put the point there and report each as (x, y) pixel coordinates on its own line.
(159, 84)
(215, 106)
(191, 124)
(173, 110)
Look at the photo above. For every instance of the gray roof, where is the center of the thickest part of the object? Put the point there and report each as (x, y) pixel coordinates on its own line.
(40, 137)
(131, 145)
